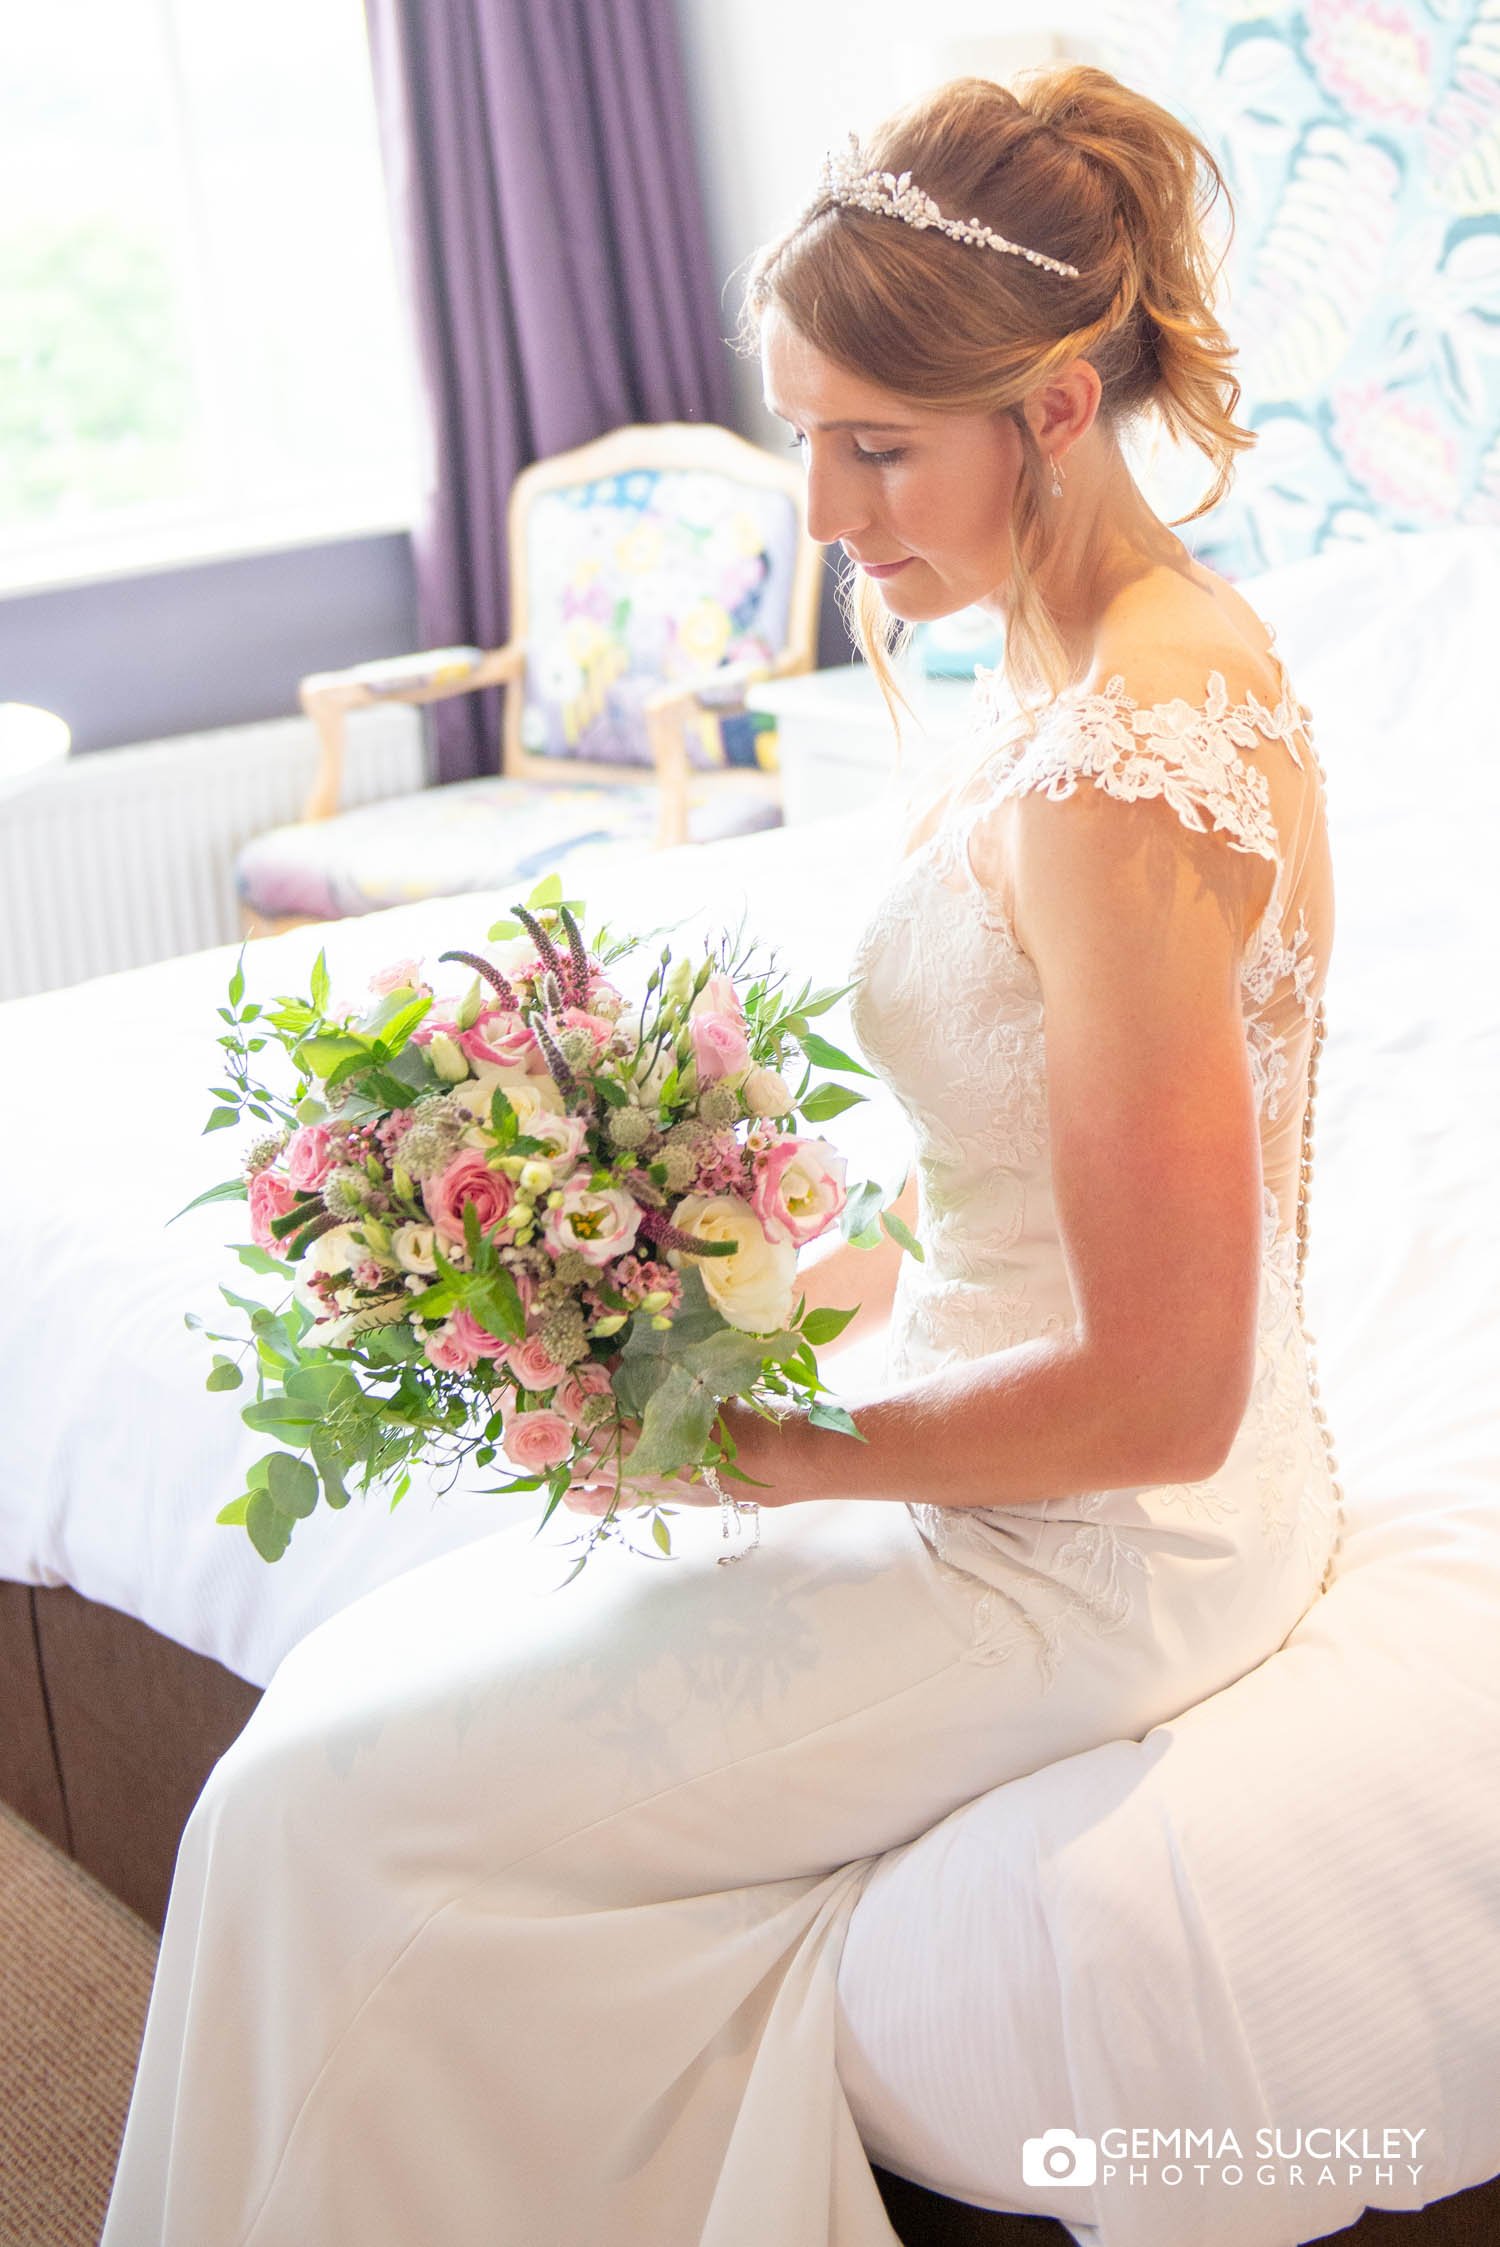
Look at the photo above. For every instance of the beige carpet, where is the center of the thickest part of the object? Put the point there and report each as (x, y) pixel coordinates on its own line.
(75, 1975)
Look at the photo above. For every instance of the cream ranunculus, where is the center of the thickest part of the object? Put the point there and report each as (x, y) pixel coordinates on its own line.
(754, 1289)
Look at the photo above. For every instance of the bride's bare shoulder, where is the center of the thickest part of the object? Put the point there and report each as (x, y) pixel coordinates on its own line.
(1164, 640)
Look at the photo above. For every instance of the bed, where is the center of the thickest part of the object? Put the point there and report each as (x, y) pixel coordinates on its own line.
(1280, 1911)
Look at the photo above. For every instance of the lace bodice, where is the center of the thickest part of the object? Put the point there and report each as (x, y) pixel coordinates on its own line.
(948, 1010)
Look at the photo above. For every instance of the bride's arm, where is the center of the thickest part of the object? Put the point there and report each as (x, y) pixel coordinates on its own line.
(1135, 925)
(834, 1278)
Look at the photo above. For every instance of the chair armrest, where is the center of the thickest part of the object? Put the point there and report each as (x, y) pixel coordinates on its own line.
(666, 714)
(430, 676)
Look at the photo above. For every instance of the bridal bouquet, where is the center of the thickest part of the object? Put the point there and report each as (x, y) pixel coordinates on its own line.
(529, 1220)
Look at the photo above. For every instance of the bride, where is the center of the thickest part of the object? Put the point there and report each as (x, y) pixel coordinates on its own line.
(513, 1917)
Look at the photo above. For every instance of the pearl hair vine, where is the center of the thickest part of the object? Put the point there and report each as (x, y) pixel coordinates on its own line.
(850, 178)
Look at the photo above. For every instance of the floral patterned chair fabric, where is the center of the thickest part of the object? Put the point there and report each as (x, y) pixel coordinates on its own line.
(470, 835)
(655, 574)
(640, 579)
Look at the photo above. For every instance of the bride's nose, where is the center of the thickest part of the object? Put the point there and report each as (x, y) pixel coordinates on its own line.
(837, 508)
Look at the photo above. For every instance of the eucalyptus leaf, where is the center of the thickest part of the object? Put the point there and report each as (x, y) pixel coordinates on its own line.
(676, 1425)
(225, 1375)
(234, 1513)
(270, 1529)
(292, 1485)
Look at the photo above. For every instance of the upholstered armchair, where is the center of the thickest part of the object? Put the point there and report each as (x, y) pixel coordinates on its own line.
(656, 573)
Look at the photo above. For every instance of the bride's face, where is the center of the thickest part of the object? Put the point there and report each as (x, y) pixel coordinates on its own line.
(891, 482)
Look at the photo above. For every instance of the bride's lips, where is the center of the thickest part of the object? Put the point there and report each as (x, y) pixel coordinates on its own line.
(884, 569)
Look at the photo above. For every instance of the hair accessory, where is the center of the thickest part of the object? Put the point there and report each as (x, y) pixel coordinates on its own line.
(850, 178)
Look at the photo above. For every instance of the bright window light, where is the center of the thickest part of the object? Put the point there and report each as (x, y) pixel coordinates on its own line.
(202, 349)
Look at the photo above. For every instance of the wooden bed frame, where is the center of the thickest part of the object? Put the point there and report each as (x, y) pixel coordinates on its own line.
(109, 1731)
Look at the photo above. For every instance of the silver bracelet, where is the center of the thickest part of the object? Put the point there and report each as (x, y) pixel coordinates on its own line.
(731, 1508)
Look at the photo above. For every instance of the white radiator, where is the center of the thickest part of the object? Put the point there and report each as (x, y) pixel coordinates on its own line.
(125, 856)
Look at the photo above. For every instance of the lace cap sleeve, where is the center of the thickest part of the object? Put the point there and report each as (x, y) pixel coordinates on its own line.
(1189, 754)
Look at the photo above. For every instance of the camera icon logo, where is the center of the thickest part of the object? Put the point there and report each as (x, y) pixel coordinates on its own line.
(1057, 2157)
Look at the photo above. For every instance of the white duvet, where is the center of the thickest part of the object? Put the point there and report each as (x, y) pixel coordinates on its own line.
(1281, 1911)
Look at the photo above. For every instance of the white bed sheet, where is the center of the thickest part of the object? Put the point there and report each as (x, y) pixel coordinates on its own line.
(1283, 1906)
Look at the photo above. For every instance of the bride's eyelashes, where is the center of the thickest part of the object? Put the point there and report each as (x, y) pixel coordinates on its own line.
(876, 460)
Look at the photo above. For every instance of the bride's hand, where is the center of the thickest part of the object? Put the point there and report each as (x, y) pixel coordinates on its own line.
(757, 1442)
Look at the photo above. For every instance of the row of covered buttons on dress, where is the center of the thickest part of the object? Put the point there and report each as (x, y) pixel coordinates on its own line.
(1304, 1183)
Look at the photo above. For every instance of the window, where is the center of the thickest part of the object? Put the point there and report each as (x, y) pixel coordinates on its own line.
(202, 349)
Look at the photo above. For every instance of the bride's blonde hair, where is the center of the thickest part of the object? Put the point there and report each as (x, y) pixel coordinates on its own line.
(1077, 165)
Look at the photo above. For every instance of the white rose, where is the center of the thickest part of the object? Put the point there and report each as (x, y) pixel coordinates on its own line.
(754, 1289)
(411, 1245)
(766, 1092)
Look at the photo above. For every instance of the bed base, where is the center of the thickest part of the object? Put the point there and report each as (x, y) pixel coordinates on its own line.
(110, 1731)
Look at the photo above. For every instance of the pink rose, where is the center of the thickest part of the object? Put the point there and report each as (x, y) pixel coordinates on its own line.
(270, 1196)
(400, 975)
(309, 1158)
(720, 1045)
(533, 1365)
(535, 1440)
(577, 1385)
(719, 996)
(467, 1178)
(445, 1350)
(799, 1189)
(466, 1334)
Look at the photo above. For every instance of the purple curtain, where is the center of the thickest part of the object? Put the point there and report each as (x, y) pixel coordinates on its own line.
(550, 232)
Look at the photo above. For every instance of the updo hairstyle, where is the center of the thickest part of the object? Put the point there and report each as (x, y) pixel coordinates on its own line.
(1077, 165)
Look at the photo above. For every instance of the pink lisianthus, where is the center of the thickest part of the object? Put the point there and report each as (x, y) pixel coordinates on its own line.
(720, 1045)
(533, 1364)
(502, 1038)
(309, 1158)
(600, 1226)
(400, 975)
(533, 1441)
(467, 1178)
(270, 1196)
(564, 1137)
(799, 1189)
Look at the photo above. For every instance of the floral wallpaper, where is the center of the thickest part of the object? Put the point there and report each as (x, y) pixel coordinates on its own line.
(1360, 142)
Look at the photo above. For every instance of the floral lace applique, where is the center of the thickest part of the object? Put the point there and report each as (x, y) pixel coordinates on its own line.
(948, 1010)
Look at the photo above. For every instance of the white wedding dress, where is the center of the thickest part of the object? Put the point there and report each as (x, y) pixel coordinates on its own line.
(513, 1917)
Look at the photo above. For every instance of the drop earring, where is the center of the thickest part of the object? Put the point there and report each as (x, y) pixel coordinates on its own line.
(1057, 490)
